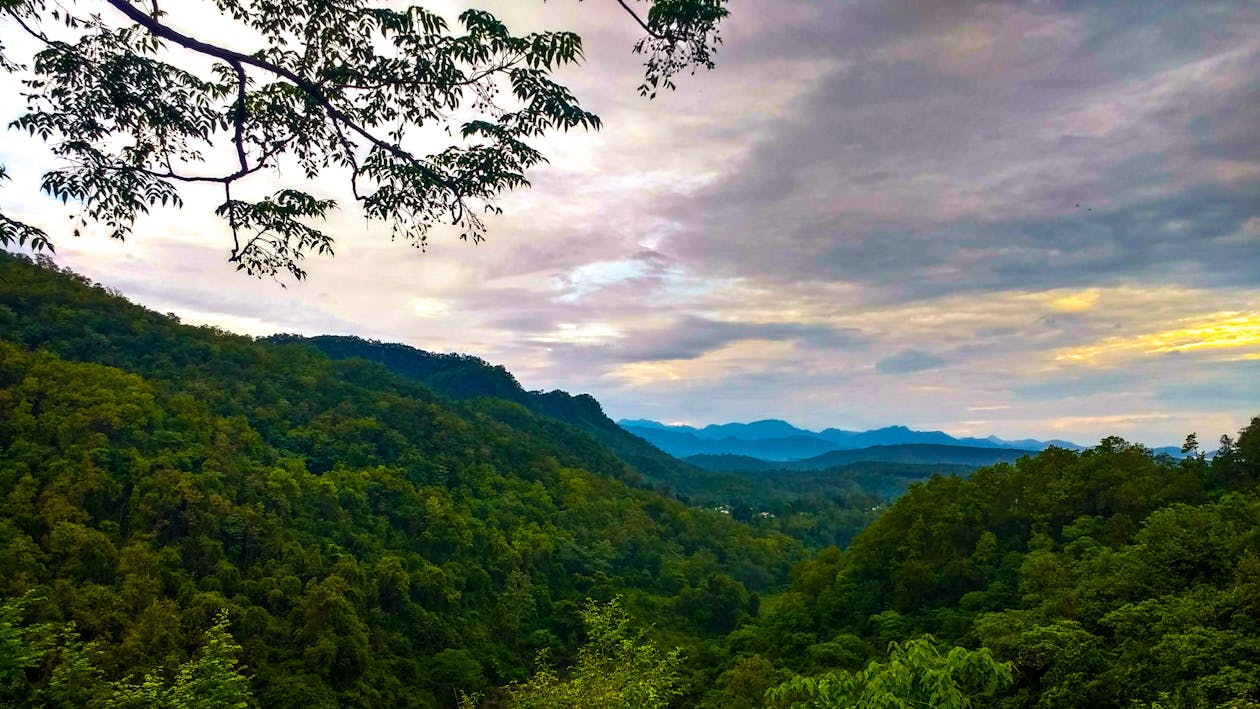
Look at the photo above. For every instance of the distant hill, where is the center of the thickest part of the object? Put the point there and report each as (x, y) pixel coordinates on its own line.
(465, 377)
(681, 444)
(775, 440)
(819, 507)
(731, 462)
(908, 453)
(917, 453)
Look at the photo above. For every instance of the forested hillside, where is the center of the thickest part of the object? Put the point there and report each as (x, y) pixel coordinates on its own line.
(819, 509)
(190, 518)
(1106, 578)
(466, 377)
(371, 542)
(921, 455)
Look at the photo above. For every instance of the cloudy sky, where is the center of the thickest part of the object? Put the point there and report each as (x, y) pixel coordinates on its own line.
(1023, 219)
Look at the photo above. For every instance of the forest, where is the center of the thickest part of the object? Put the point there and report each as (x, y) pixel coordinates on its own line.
(191, 518)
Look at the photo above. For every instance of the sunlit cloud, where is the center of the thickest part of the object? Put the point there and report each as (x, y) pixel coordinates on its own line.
(581, 334)
(1220, 331)
(739, 359)
(1075, 302)
(1068, 421)
(430, 307)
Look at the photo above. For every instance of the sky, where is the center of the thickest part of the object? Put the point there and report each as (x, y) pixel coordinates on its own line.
(1036, 219)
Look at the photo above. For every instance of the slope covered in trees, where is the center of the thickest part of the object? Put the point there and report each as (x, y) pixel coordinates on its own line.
(817, 509)
(371, 542)
(190, 518)
(1112, 577)
(465, 377)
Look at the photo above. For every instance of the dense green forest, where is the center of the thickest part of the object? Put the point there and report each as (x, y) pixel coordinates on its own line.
(372, 542)
(465, 377)
(818, 508)
(1107, 578)
(192, 518)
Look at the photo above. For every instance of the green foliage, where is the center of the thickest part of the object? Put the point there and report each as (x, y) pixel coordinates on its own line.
(212, 680)
(466, 377)
(373, 542)
(15, 232)
(617, 668)
(22, 649)
(917, 674)
(377, 543)
(333, 85)
(1108, 577)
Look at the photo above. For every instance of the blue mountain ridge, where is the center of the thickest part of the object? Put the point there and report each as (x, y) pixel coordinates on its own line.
(774, 439)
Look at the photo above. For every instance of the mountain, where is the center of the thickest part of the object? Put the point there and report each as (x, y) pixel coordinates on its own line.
(1111, 577)
(876, 481)
(732, 462)
(909, 453)
(682, 444)
(465, 377)
(756, 430)
(916, 453)
(194, 518)
(366, 539)
(772, 439)
(894, 435)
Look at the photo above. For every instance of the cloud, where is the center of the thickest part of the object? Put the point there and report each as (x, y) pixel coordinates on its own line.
(916, 180)
(907, 361)
(1233, 386)
(861, 194)
(690, 337)
(1233, 334)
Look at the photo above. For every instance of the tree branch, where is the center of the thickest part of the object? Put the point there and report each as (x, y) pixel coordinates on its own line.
(630, 11)
(238, 117)
(469, 81)
(61, 46)
(668, 36)
(309, 87)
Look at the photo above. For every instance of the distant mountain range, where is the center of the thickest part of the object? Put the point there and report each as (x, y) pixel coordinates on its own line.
(775, 440)
(932, 454)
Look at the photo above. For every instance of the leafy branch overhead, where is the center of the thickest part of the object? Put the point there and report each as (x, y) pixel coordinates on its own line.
(135, 105)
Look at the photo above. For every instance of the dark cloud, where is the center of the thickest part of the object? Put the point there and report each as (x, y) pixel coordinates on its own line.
(1080, 384)
(1192, 237)
(949, 148)
(691, 337)
(907, 361)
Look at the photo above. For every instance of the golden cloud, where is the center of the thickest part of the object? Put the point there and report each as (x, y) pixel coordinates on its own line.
(1219, 331)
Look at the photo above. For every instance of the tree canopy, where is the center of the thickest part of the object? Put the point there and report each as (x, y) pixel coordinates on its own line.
(136, 106)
